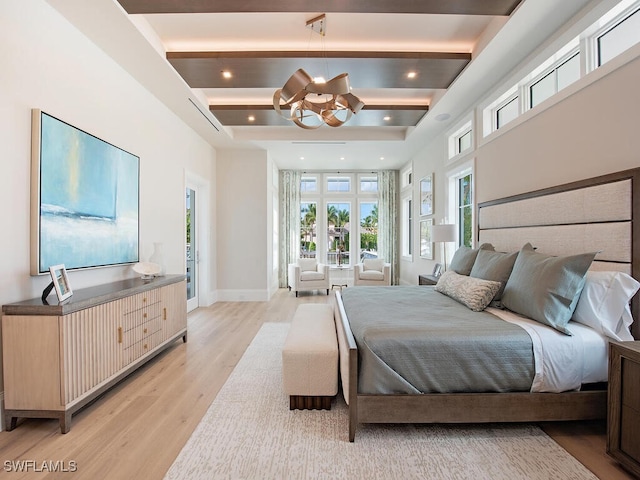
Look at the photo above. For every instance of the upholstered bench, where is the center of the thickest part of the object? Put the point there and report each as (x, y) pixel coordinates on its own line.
(310, 358)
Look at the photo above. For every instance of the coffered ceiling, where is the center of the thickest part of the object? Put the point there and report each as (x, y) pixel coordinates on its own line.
(457, 49)
(399, 55)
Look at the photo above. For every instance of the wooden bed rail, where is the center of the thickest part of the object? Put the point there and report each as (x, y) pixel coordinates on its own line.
(348, 364)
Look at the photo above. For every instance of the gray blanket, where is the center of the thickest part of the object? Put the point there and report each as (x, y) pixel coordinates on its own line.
(412, 339)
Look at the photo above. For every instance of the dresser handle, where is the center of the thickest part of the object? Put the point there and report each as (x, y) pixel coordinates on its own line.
(145, 346)
(144, 331)
(119, 334)
(144, 299)
(164, 313)
(144, 315)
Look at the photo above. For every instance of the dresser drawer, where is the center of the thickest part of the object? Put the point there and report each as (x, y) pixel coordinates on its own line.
(138, 349)
(141, 332)
(140, 300)
(143, 315)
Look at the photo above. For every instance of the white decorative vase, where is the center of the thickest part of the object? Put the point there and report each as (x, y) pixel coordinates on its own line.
(158, 256)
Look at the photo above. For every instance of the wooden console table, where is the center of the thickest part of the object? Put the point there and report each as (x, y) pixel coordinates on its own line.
(59, 357)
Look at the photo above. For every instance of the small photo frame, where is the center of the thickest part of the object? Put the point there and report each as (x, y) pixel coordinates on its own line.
(426, 195)
(437, 270)
(426, 245)
(60, 282)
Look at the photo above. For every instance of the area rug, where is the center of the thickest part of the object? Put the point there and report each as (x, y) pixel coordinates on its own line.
(250, 433)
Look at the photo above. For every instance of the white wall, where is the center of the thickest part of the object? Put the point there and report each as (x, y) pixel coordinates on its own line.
(591, 131)
(48, 64)
(244, 223)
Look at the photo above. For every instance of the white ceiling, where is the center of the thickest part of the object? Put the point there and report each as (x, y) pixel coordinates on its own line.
(497, 44)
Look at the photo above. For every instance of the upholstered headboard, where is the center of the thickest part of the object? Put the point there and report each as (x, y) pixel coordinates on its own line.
(599, 214)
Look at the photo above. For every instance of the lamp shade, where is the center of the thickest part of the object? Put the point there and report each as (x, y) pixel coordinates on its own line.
(443, 233)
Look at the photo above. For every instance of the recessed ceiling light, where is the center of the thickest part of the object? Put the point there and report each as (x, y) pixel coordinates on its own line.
(226, 74)
(381, 158)
(251, 118)
(411, 75)
(301, 158)
(386, 118)
(341, 158)
(441, 117)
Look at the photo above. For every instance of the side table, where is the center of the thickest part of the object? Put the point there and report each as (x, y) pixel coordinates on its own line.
(427, 280)
(623, 442)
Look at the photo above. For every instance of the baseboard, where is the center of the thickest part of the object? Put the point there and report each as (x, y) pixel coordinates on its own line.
(242, 296)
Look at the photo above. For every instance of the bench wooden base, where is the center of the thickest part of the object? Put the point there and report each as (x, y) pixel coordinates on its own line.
(304, 402)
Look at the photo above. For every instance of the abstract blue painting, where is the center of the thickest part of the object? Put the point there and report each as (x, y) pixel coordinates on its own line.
(88, 199)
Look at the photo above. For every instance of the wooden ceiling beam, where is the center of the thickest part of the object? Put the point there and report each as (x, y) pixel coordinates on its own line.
(321, 54)
(450, 7)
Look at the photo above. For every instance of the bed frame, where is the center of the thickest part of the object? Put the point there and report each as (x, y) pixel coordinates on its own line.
(572, 218)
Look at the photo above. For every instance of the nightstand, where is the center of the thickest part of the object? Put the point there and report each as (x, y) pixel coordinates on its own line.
(623, 426)
(427, 280)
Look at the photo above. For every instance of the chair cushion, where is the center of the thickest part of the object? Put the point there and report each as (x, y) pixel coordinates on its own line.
(373, 264)
(371, 275)
(308, 264)
(306, 276)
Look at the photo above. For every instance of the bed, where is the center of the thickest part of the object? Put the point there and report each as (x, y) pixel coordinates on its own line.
(600, 215)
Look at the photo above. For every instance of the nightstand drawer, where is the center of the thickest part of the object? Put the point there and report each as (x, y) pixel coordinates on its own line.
(629, 434)
(630, 383)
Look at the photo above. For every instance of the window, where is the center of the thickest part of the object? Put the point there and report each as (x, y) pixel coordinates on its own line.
(465, 210)
(308, 184)
(464, 141)
(620, 37)
(405, 177)
(552, 82)
(308, 229)
(407, 227)
(338, 229)
(506, 113)
(369, 184)
(368, 230)
(613, 33)
(338, 184)
(461, 139)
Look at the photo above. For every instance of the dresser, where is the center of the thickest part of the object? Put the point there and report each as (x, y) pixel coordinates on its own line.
(59, 357)
(623, 425)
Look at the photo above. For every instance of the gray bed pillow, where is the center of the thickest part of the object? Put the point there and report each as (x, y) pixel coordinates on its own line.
(464, 258)
(546, 288)
(474, 293)
(496, 266)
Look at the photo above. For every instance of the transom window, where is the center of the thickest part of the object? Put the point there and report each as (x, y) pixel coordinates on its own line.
(338, 184)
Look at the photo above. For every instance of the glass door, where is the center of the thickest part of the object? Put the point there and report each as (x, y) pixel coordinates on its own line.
(192, 251)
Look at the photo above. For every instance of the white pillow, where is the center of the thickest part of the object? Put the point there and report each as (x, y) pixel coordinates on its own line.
(308, 264)
(604, 303)
(373, 264)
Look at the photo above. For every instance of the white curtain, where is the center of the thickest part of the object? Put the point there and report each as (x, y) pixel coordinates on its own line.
(289, 222)
(388, 220)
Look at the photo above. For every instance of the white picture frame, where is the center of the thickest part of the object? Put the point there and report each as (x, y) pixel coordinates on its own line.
(426, 195)
(426, 245)
(60, 282)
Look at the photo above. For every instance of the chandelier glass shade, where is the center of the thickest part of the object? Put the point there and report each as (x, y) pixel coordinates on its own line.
(311, 104)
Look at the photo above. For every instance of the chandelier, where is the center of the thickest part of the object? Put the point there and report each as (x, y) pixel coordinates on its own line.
(312, 103)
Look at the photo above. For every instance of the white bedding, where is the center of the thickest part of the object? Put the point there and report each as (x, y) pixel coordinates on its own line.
(562, 362)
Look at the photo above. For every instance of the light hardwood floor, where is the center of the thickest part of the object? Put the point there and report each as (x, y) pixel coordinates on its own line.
(137, 429)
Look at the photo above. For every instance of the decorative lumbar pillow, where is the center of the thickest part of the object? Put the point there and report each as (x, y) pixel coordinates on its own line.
(604, 304)
(463, 259)
(308, 264)
(546, 288)
(474, 293)
(496, 266)
(373, 264)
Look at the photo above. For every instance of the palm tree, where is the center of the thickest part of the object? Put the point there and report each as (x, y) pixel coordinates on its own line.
(308, 224)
